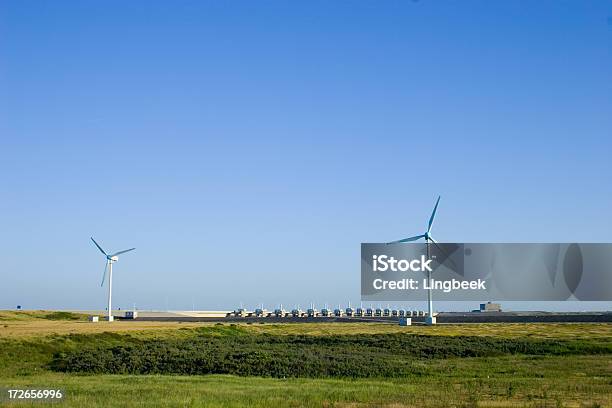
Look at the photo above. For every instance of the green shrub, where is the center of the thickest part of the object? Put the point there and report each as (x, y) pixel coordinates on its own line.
(63, 316)
(228, 350)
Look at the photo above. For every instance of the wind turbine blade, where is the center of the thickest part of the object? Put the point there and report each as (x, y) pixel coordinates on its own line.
(444, 252)
(433, 215)
(123, 252)
(104, 275)
(99, 247)
(415, 238)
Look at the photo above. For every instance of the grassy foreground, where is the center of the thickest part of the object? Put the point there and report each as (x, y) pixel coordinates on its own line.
(569, 366)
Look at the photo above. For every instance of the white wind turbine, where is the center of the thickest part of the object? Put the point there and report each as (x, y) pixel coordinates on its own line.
(110, 259)
(428, 238)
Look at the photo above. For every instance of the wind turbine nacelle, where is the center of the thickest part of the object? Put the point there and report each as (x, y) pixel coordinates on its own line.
(114, 258)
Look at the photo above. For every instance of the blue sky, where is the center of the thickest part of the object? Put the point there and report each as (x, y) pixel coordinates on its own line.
(246, 149)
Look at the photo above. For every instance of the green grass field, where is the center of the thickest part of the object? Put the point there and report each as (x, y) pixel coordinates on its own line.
(280, 365)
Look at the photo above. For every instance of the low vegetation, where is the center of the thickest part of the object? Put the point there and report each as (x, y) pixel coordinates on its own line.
(40, 314)
(263, 355)
(333, 365)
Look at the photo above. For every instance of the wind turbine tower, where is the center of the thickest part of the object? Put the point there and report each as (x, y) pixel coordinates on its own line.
(110, 259)
(428, 238)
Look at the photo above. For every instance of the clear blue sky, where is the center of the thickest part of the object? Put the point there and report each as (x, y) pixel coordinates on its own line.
(247, 148)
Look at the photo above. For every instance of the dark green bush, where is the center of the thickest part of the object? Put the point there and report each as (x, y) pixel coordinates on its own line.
(63, 316)
(228, 350)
